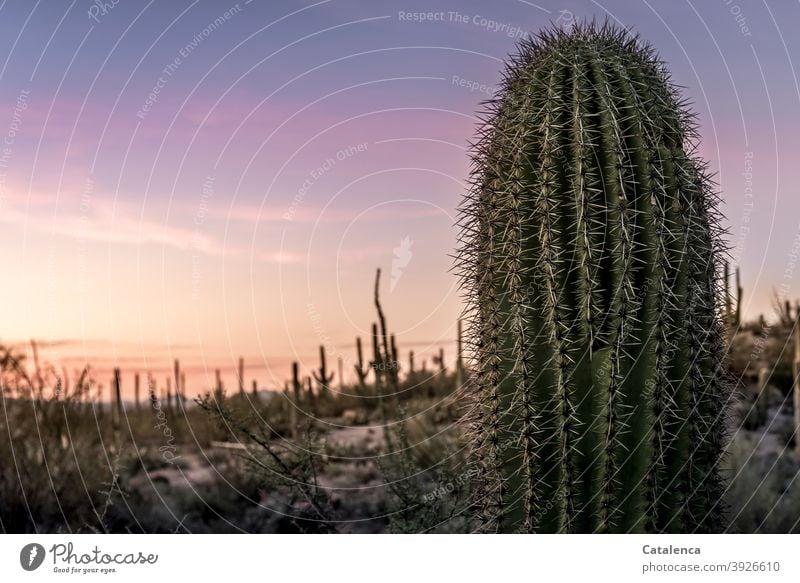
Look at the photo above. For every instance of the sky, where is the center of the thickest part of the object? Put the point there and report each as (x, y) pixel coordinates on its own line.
(208, 180)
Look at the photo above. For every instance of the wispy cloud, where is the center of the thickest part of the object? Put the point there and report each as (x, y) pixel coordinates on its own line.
(113, 224)
(247, 213)
(281, 257)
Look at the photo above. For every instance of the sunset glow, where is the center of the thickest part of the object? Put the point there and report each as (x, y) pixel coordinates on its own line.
(207, 181)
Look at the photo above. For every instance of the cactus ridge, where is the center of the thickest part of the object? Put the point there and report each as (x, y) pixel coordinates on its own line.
(589, 257)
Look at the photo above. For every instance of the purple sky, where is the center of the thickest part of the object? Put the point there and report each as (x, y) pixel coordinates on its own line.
(211, 179)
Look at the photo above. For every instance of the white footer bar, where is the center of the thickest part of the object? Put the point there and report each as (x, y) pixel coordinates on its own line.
(407, 558)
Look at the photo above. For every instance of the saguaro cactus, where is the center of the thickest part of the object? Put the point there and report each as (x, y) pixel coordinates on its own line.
(590, 260)
(169, 395)
(117, 412)
(136, 390)
(361, 370)
(176, 370)
(241, 375)
(322, 377)
(254, 390)
(297, 386)
(394, 359)
(312, 399)
(219, 389)
(733, 311)
(377, 363)
(439, 361)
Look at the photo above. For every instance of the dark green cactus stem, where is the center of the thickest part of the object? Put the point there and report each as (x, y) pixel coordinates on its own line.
(388, 356)
(136, 391)
(377, 359)
(322, 377)
(726, 284)
(361, 370)
(739, 296)
(240, 376)
(312, 398)
(590, 258)
(297, 386)
(394, 363)
(733, 314)
(394, 370)
(385, 350)
(177, 376)
(438, 360)
(117, 399)
(169, 394)
(219, 390)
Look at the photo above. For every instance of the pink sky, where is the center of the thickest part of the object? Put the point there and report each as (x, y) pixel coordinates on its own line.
(290, 153)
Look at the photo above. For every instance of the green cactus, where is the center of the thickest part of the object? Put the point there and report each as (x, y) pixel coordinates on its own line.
(590, 258)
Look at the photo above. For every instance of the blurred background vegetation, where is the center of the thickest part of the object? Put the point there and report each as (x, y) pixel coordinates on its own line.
(383, 454)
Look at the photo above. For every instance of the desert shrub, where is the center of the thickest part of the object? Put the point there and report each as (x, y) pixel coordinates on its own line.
(783, 427)
(763, 494)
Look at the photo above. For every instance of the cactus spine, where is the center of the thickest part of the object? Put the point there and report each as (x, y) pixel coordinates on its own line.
(590, 259)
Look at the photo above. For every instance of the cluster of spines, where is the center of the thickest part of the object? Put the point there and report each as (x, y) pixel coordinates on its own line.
(537, 471)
